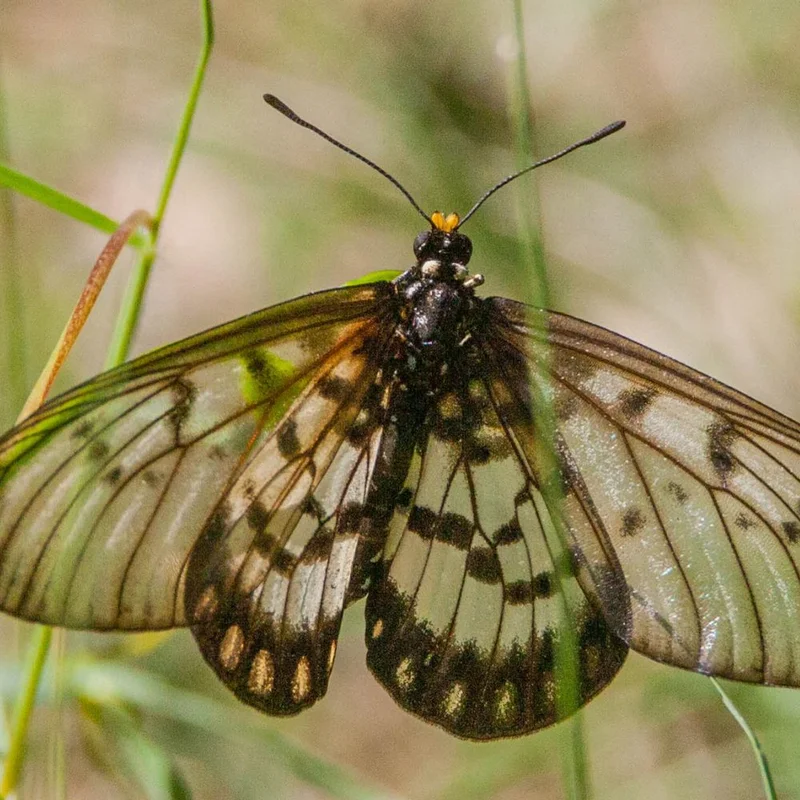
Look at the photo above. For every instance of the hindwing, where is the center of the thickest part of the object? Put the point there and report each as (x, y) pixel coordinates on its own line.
(477, 596)
(271, 574)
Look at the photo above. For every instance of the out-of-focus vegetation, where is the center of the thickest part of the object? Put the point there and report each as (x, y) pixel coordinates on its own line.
(680, 232)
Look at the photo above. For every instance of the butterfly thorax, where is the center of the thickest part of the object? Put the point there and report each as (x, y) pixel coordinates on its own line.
(437, 300)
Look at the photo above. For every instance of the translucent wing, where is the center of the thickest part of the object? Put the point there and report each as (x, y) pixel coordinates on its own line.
(681, 496)
(105, 491)
(475, 591)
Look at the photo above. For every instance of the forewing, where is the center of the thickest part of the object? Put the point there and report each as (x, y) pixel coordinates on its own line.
(105, 490)
(476, 594)
(681, 496)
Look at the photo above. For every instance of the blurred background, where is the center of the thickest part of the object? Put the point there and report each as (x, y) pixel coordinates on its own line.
(681, 232)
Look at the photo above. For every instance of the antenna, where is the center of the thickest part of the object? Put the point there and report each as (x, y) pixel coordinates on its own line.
(595, 137)
(287, 112)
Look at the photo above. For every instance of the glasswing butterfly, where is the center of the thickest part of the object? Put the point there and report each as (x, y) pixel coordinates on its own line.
(496, 479)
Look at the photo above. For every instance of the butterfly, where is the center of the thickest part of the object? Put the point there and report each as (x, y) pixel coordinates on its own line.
(499, 481)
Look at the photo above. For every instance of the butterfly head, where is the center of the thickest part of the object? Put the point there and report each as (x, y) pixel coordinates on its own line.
(442, 252)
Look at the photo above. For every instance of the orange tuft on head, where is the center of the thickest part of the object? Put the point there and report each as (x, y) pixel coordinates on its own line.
(445, 224)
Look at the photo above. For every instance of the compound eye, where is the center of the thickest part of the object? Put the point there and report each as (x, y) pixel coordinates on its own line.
(421, 242)
(462, 249)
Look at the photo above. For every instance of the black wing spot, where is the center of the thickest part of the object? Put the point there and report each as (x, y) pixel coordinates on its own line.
(481, 450)
(483, 565)
(83, 430)
(573, 366)
(522, 497)
(217, 453)
(151, 478)
(593, 630)
(257, 517)
(634, 402)
(519, 593)
(288, 443)
(601, 654)
(313, 508)
(542, 585)
(565, 407)
(518, 413)
(98, 450)
(374, 395)
(455, 529)
(509, 533)
(633, 520)
(184, 393)
(546, 650)
(113, 476)
(566, 563)
(360, 431)
(477, 452)
(350, 517)
(218, 524)
(332, 387)
(319, 548)
(792, 531)
(422, 520)
(404, 498)
(284, 562)
(721, 436)
(265, 377)
(256, 364)
(678, 492)
(265, 544)
(744, 522)
(370, 416)
(448, 429)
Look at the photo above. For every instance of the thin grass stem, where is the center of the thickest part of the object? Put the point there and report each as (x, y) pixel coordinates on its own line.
(575, 774)
(758, 752)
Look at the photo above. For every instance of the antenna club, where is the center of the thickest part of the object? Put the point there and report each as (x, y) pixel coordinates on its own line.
(595, 137)
(287, 112)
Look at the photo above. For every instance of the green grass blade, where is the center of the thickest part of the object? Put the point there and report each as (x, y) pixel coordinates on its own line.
(118, 737)
(529, 222)
(185, 126)
(58, 201)
(108, 682)
(12, 359)
(23, 709)
(758, 752)
(134, 294)
(573, 748)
